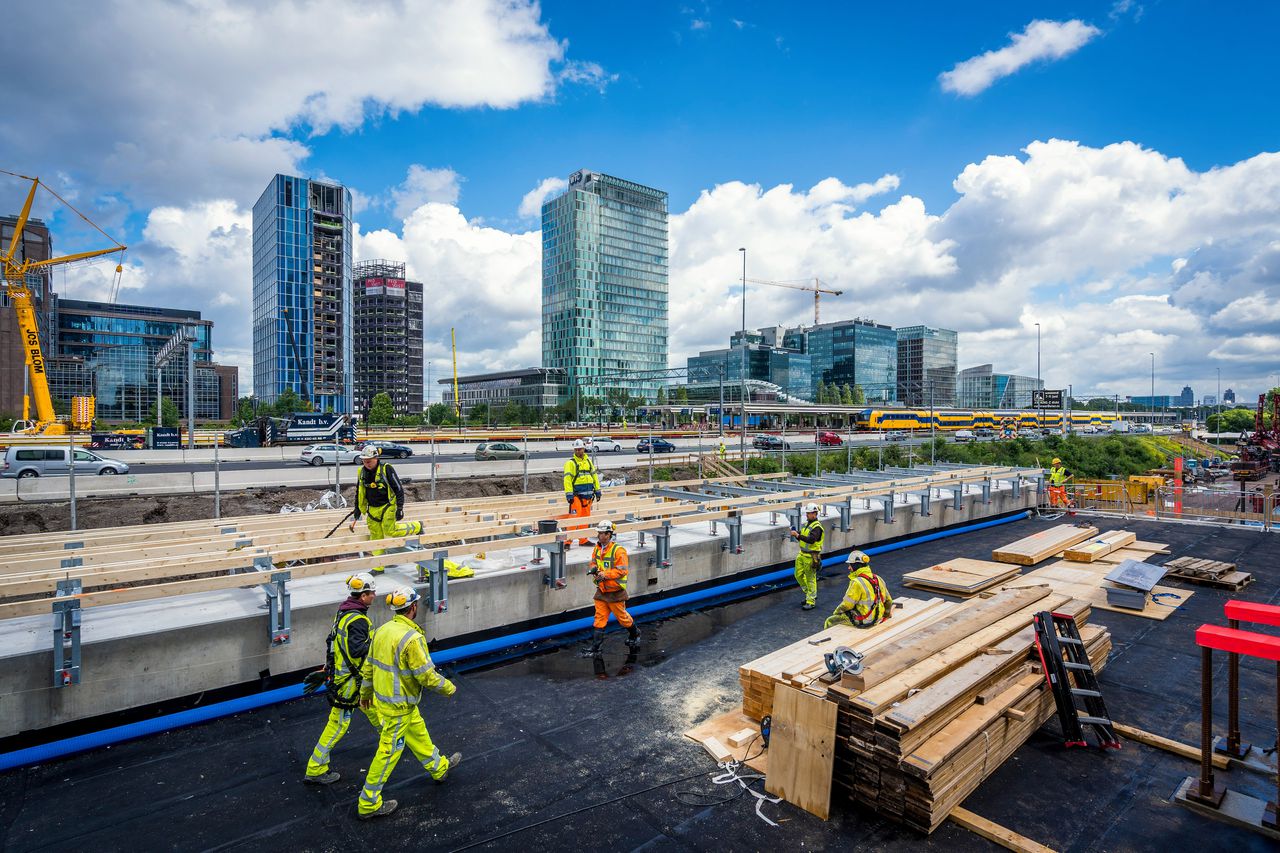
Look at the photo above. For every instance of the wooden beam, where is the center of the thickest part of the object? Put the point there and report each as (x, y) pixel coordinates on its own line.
(996, 833)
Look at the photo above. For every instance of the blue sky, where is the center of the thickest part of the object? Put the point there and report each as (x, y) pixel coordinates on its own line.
(901, 152)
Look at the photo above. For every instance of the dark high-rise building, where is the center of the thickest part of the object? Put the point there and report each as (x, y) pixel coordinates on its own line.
(926, 366)
(1229, 396)
(604, 285)
(387, 328)
(302, 333)
(35, 245)
(1187, 398)
(858, 353)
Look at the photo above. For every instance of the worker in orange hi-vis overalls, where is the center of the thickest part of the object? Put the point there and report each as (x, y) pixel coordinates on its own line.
(581, 485)
(609, 568)
(1058, 477)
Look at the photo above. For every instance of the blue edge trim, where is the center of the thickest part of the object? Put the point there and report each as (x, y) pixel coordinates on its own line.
(144, 728)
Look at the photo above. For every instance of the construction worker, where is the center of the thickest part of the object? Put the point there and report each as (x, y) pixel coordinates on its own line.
(867, 600)
(1058, 477)
(380, 497)
(395, 672)
(609, 569)
(345, 650)
(581, 485)
(722, 451)
(810, 536)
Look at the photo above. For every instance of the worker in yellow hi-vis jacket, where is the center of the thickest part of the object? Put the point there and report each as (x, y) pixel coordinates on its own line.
(396, 671)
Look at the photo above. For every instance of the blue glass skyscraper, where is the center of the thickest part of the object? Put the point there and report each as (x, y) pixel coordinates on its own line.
(604, 285)
(302, 252)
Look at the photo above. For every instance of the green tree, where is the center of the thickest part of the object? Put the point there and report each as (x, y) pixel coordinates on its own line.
(682, 396)
(244, 411)
(1232, 420)
(821, 393)
(441, 414)
(859, 396)
(512, 413)
(289, 402)
(169, 410)
(662, 397)
(381, 411)
(846, 395)
(479, 414)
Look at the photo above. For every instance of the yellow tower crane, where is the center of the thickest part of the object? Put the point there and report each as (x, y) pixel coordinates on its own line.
(16, 269)
(815, 285)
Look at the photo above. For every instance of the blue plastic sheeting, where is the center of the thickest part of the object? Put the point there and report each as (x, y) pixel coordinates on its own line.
(144, 728)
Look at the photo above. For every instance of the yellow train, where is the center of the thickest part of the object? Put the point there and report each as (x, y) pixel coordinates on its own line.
(957, 419)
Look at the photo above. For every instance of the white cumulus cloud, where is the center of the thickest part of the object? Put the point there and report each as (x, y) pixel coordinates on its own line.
(422, 185)
(531, 204)
(1040, 41)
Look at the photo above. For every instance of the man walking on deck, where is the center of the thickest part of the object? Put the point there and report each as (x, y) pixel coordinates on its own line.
(610, 568)
(380, 498)
(581, 485)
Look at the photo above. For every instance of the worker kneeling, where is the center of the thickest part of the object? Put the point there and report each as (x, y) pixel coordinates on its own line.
(867, 600)
(609, 568)
(395, 672)
(380, 498)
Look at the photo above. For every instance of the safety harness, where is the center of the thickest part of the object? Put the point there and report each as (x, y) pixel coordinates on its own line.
(332, 688)
(874, 609)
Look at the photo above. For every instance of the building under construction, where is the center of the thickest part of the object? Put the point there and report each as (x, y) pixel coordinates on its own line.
(387, 324)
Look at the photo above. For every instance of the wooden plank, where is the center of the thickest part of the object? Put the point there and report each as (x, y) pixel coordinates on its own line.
(742, 737)
(1039, 546)
(717, 750)
(802, 750)
(723, 725)
(1220, 760)
(960, 575)
(1099, 546)
(996, 833)
(970, 617)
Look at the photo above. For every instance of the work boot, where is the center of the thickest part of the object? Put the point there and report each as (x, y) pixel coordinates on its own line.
(387, 807)
(597, 640)
(633, 637)
(453, 759)
(379, 570)
(808, 605)
(323, 779)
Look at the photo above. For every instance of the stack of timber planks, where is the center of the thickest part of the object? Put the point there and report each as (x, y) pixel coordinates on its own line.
(1041, 546)
(960, 576)
(938, 708)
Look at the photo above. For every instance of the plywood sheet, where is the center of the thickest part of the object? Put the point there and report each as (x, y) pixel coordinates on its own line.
(1086, 581)
(960, 576)
(721, 727)
(802, 746)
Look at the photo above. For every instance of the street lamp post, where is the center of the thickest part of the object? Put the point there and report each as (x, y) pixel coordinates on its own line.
(742, 441)
(1153, 387)
(428, 406)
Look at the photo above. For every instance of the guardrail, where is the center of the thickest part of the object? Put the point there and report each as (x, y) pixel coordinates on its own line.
(1255, 507)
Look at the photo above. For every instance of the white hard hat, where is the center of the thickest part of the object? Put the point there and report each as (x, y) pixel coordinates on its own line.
(604, 527)
(858, 558)
(401, 597)
(578, 444)
(808, 508)
(360, 583)
(370, 452)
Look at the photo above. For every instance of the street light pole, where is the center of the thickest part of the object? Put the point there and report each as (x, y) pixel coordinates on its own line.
(1037, 356)
(742, 441)
(1153, 387)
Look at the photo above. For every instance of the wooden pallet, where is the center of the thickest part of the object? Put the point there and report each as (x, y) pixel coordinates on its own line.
(960, 576)
(1208, 572)
(1040, 546)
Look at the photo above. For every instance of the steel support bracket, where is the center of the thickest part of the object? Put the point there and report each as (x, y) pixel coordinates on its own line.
(71, 562)
(957, 495)
(662, 545)
(986, 491)
(278, 610)
(734, 523)
(436, 577)
(1015, 483)
(926, 501)
(886, 503)
(554, 576)
(72, 546)
(66, 633)
(845, 512)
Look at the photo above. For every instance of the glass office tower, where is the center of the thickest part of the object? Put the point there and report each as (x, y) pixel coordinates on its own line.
(857, 353)
(604, 285)
(302, 291)
(982, 388)
(926, 366)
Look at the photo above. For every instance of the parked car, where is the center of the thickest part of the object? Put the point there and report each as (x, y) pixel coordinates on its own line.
(329, 454)
(660, 445)
(964, 435)
(764, 441)
(896, 435)
(602, 443)
(390, 449)
(829, 439)
(984, 432)
(490, 450)
(52, 461)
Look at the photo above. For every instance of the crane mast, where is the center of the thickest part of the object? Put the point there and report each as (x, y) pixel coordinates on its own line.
(818, 288)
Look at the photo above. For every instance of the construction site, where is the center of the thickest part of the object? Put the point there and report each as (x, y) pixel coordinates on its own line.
(155, 672)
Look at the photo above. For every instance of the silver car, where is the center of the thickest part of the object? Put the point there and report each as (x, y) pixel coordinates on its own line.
(52, 461)
(498, 450)
(327, 454)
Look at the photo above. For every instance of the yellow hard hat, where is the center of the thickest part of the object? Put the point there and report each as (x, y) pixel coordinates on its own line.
(1056, 461)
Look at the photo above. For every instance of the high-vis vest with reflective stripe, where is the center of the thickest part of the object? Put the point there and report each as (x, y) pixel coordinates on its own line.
(1057, 475)
(377, 494)
(866, 598)
(580, 476)
(399, 666)
(606, 560)
(808, 530)
(346, 668)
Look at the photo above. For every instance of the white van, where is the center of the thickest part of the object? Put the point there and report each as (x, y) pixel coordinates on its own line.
(52, 461)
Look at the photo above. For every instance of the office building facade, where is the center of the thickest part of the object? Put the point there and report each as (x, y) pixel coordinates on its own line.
(790, 371)
(1187, 398)
(109, 350)
(982, 388)
(604, 285)
(926, 368)
(36, 244)
(857, 353)
(541, 388)
(1159, 401)
(1229, 396)
(302, 293)
(387, 329)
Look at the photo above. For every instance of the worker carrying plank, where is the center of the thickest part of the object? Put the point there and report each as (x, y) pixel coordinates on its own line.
(867, 600)
(581, 485)
(1058, 477)
(394, 675)
(609, 568)
(810, 536)
(380, 498)
(345, 650)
